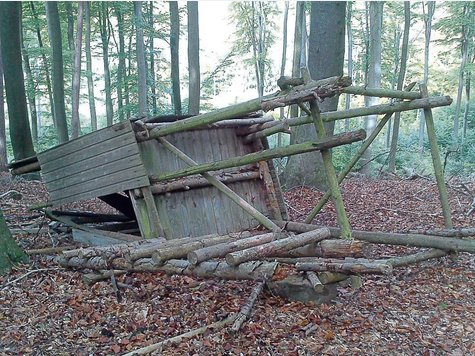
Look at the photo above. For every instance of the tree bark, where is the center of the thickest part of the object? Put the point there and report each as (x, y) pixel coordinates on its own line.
(349, 34)
(54, 31)
(10, 43)
(299, 16)
(193, 58)
(105, 58)
(76, 86)
(141, 64)
(271, 248)
(374, 71)
(175, 59)
(329, 248)
(10, 253)
(89, 76)
(400, 84)
(326, 54)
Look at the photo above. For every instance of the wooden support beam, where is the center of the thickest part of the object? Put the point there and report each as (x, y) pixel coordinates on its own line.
(256, 214)
(321, 88)
(333, 141)
(332, 181)
(438, 169)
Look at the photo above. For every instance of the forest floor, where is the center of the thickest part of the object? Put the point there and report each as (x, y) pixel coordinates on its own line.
(426, 309)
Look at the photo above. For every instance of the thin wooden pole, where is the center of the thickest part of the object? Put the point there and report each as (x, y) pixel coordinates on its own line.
(256, 214)
(330, 174)
(438, 170)
(328, 142)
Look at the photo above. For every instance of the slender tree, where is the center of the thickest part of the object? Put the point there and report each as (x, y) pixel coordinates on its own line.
(54, 31)
(374, 69)
(45, 66)
(299, 21)
(10, 42)
(193, 58)
(400, 84)
(326, 54)
(349, 35)
(76, 87)
(282, 66)
(70, 17)
(141, 64)
(89, 75)
(152, 76)
(103, 15)
(3, 136)
(175, 59)
(428, 16)
(30, 90)
(121, 63)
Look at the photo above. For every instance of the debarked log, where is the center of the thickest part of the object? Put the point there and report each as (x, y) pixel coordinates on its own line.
(220, 250)
(345, 266)
(277, 246)
(329, 248)
(161, 255)
(416, 240)
(199, 182)
(327, 143)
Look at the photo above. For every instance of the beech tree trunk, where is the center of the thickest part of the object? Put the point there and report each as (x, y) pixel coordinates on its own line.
(299, 17)
(76, 86)
(90, 79)
(105, 58)
(30, 91)
(121, 74)
(326, 54)
(141, 64)
(10, 42)
(175, 59)
(193, 58)
(54, 31)
(151, 50)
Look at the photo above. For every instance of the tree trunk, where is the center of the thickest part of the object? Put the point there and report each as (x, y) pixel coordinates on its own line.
(3, 136)
(45, 66)
(69, 15)
(141, 65)
(54, 31)
(193, 58)
(467, 106)
(400, 84)
(90, 79)
(326, 57)
(277, 246)
(282, 73)
(175, 59)
(105, 58)
(427, 35)
(299, 17)
(128, 76)
(121, 74)
(349, 34)
(152, 75)
(10, 253)
(76, 87)
(20, 135)
(374, 70)
(461, 80)
(345, 266)
(336, 248)
(30, 91)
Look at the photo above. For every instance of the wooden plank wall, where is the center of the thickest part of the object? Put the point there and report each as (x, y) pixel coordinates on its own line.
(100, 163)
(205, 210)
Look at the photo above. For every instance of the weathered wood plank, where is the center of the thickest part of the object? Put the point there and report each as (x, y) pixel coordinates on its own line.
(84, 142)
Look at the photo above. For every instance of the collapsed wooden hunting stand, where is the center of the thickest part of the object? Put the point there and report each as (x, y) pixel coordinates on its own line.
(157, 174)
